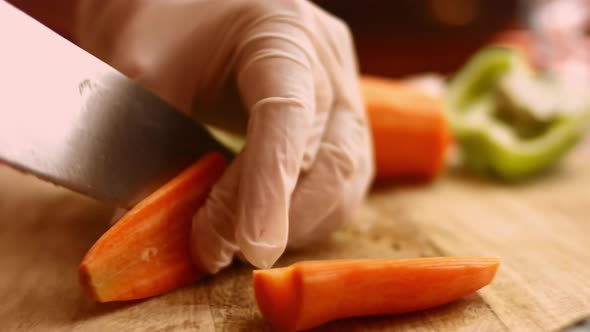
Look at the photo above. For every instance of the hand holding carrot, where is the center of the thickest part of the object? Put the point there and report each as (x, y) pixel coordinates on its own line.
(285, 73)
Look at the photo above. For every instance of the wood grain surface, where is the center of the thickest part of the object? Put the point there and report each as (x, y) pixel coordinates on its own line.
(541, 231)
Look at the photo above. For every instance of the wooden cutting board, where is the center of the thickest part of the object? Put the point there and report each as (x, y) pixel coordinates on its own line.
(541, 231)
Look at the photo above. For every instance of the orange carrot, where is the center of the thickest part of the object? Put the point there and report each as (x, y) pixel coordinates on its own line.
(410, 131)
(147, 252)
(308, 294)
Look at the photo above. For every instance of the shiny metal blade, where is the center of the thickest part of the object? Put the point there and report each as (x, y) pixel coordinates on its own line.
(69, 118)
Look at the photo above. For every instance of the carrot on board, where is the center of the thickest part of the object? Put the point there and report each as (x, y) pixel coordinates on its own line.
(147, 252)
(308, 294)
(409, 129)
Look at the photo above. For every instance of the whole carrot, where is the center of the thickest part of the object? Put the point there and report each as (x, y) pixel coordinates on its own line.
(147, 252)
(308, 294)
(409, 128)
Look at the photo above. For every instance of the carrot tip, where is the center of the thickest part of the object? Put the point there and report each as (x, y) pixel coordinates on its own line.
(277, 295)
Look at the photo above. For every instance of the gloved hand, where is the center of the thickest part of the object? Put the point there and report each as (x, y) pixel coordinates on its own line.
(287, 69)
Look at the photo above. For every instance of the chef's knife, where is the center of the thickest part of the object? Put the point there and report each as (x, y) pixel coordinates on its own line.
(71, 119)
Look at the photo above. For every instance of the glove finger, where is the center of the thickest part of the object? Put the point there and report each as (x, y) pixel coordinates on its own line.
(284, 36)
(326, 196)
(351, 198)
(213, 243)
(277, 87)
(343, 169)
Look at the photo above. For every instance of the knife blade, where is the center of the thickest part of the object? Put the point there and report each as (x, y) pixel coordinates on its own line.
(71, 119)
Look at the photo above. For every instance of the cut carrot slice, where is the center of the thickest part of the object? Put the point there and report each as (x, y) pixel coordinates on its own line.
(147, 252)
(409, 128)
(308, 294)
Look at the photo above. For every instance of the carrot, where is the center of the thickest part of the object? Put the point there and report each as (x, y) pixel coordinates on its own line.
(409, 128)
(308, 294)
(147, 252)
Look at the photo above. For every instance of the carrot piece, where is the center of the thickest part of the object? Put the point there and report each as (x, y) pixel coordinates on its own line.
(409, 129)
(308, 294)
(147, 252)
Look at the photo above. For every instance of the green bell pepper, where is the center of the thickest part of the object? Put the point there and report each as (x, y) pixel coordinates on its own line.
(510, 122)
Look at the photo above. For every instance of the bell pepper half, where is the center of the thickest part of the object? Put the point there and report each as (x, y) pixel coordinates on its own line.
(509, 121)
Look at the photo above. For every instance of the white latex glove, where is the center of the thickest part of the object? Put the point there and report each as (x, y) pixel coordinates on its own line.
(287, 70)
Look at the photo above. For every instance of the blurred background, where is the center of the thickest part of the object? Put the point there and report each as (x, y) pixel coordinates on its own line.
(398, 38)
